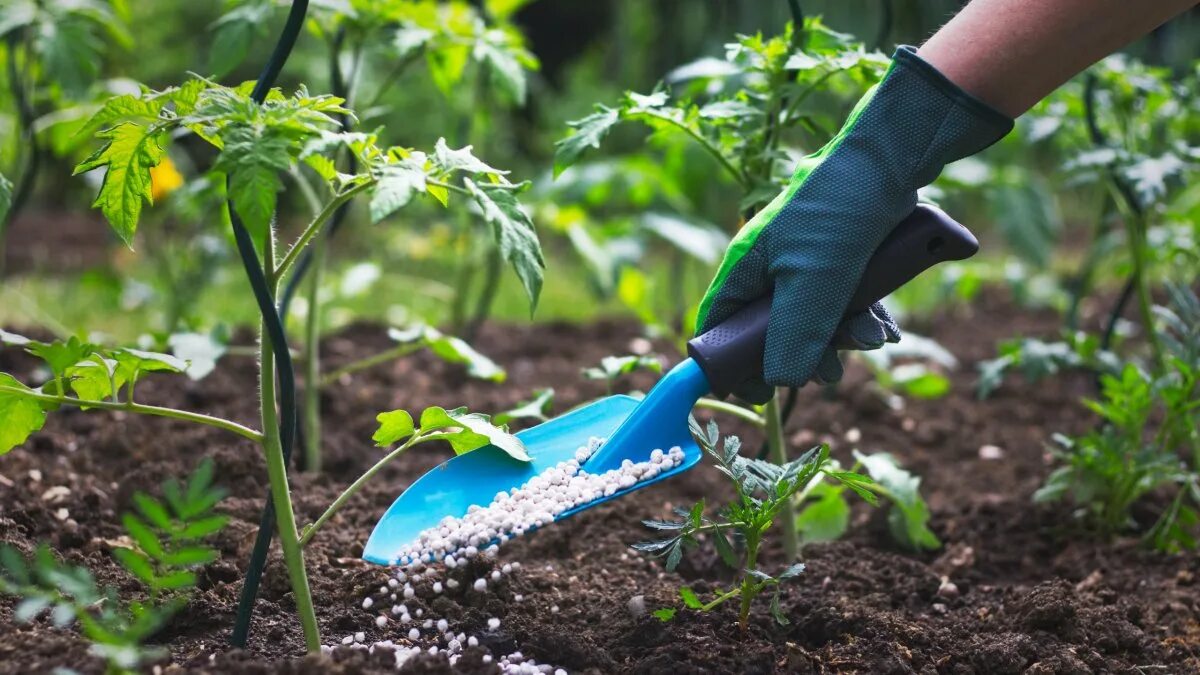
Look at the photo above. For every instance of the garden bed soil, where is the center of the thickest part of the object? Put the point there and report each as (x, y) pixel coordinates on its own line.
(1033, 594)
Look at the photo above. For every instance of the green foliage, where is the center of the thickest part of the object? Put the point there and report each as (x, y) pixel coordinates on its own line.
(93, 372)
(66, 37)
(1036, 359)
(914, 367)
(1149, 441)
(450, 349)
(537, 408)
(6, 193)
(464, 431)
(168, 546)
(762, 490)
(613, 368)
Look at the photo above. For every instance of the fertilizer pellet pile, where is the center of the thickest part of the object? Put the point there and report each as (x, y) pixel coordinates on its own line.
(534, 504)
(454, 541)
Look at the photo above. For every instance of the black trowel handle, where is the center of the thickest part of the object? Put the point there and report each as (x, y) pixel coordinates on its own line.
(732, 352)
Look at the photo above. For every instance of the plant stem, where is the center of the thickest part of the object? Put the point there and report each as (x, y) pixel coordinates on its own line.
(1136, 229)
(285, 518)
(734, 172)
(311, 530)
(747, 589)
(312, 362)
(777, 453)
(396, 352)
(137, 408)
(733, 409)
(315, 226)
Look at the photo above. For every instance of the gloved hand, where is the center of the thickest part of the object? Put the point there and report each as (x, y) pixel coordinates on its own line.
(812, 242)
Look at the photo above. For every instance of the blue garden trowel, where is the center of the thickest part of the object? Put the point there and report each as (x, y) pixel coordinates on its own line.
(721, 359)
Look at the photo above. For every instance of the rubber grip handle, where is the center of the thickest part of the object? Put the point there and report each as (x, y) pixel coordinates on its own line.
(731, 352)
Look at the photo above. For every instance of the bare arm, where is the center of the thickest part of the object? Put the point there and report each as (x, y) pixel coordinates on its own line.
(1012, 53)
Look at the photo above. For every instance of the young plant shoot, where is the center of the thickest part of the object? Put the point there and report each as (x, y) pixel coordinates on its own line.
(167, 547)
(763, 490)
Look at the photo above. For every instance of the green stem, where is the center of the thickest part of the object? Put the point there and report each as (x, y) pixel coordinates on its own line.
(737, 175)
(315, 226)
(285, 518)
(311, 530)
(747, 589)
(1136, 228)
(137, 408)
(777, 453)
(392, 354)
(720, 599)
(733, 409)
(312, 364)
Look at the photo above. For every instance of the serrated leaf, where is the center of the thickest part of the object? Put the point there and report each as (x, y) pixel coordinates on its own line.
(793, 570)
(504, 63)
(689, 598)
(448, 160)
(395, 187)
(777, 610)
(130, 151)
(664, 524)
(589, 131)
(513, 232)
(674, 556)
(20, 416)
(394, 427)
(476, 432)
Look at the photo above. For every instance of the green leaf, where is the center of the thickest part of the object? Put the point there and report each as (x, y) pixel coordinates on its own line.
(612, 367)
(7, 338)
(136, 564)
(703, 241)
(463, 159)
(153, 510)
(537, 408)
(452, 350)
(665, 614)
(235, 32)
(589, 131)
(61, 355)
(909, 520)
(470, 431)
(198, 529)
(20, 416)
(93, 379)
(395, 186)
(689, 598)
(513, 232)
(200, 351)
(408, 39)
(505, 61)
(176, 580)
(777, 611)
(826, 518)
(142, 535)
(192, 555)
(394, 427)
(128, 155)
(70, 52)
(793, 570)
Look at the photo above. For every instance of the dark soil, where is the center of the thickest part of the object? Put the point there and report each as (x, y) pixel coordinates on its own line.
(1033, 593)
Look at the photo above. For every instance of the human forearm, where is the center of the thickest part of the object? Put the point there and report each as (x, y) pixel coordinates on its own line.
(1012, 53)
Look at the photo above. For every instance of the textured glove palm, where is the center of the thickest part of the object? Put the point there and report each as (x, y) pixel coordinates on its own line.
(810, 245)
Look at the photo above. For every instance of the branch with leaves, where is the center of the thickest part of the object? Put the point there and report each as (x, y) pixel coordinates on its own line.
(763, 490)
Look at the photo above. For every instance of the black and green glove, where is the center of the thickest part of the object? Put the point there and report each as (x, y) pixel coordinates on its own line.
(810, 245)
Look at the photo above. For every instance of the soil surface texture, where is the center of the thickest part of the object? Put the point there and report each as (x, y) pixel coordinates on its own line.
(1016, 588)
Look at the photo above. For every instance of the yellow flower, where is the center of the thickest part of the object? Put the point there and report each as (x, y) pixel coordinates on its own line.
(164, 179)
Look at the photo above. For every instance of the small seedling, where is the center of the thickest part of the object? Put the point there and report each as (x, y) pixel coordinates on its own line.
(167, 546)
(613, 368)
(763, 489)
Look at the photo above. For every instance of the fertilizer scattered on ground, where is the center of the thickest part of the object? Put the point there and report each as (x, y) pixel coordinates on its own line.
(454, 541)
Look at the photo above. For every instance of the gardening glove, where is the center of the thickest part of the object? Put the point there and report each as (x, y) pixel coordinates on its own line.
(809, 246)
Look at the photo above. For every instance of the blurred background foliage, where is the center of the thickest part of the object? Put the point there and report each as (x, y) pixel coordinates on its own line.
(636, 229)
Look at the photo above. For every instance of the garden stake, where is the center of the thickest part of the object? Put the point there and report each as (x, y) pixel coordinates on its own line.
(720, 360)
